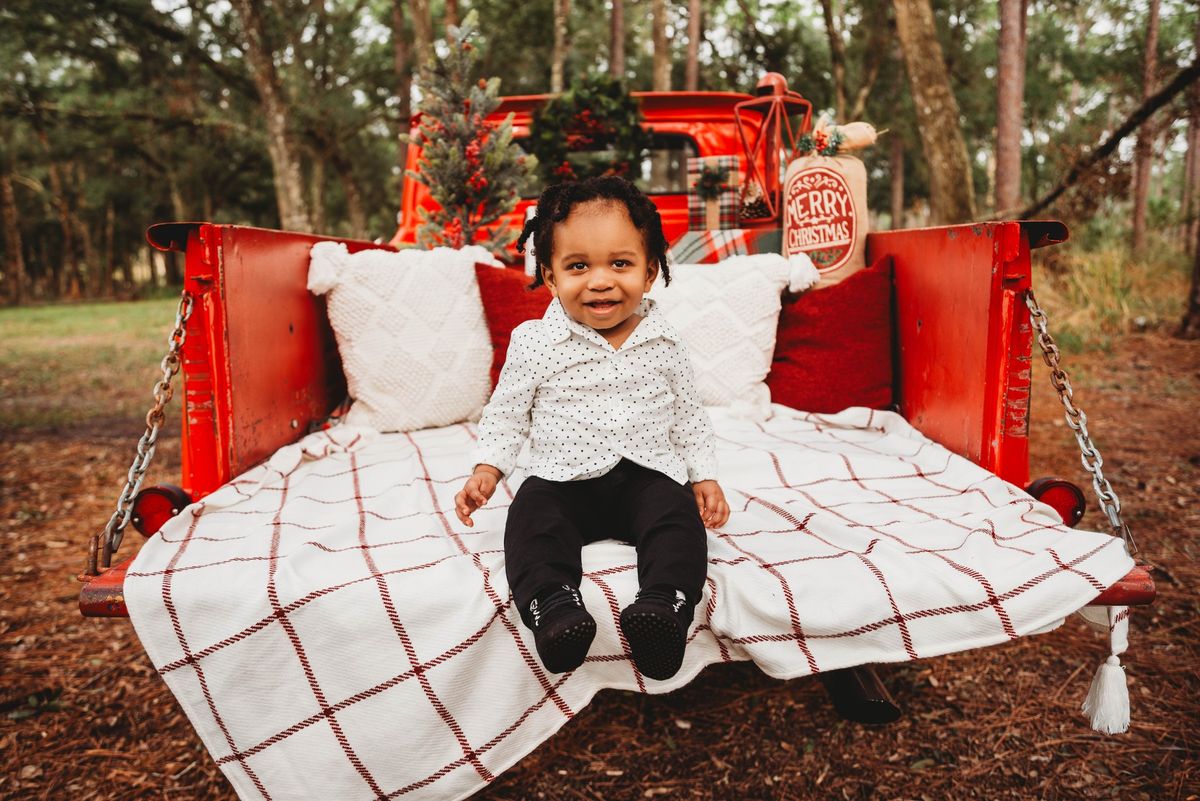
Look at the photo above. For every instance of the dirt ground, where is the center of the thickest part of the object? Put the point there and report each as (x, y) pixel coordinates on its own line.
(84, 716)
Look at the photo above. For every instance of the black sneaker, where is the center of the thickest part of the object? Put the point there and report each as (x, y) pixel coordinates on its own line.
(562, 628)
(655, 626)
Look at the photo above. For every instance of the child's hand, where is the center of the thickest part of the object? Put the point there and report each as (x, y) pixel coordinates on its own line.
(476, 492)
(710, 500)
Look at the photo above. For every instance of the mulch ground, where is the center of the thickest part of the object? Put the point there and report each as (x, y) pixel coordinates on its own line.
(83, 714)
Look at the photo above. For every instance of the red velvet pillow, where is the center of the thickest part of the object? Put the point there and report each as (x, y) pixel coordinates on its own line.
(506, 304)
(834, 345)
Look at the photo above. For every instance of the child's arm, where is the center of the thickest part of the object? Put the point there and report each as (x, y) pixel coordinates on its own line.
(692, 434)
(476, 492)
(503, 428)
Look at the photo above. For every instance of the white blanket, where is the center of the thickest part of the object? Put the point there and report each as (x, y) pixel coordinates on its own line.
(333, 632)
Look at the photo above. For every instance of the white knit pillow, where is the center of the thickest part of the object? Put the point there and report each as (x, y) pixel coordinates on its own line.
(410, 330)
(727, 314)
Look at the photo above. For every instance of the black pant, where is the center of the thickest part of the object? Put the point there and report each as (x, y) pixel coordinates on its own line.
(549, 522)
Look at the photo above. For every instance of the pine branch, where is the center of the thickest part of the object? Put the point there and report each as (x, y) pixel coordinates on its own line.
(1182, 80)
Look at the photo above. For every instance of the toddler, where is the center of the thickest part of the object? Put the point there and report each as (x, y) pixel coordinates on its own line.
(620, 444)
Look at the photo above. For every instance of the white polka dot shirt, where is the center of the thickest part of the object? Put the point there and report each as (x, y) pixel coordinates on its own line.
(585, 406)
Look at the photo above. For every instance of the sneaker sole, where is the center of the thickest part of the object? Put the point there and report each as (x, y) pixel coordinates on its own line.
(656, 644)
(568, 648)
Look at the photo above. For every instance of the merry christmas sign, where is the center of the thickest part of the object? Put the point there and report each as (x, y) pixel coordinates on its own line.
(825, 205)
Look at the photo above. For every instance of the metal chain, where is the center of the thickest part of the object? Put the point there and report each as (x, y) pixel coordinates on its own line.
(110, 539)
(1077, 420)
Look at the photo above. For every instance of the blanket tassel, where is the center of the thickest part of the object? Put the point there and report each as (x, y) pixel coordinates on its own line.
(1107, 702)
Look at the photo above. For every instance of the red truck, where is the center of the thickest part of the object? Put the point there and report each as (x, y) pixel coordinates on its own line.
(258, 374)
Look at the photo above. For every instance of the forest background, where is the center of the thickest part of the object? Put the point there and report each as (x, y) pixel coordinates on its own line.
(115, 114)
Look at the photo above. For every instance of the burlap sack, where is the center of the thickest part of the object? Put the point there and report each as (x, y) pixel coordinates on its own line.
(825, 214)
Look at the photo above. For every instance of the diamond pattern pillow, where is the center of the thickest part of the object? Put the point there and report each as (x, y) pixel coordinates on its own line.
(410, 331)
(727, 314)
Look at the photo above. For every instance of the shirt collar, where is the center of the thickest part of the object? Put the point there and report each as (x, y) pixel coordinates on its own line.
(559, 325)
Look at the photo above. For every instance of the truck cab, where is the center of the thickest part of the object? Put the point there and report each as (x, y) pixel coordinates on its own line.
(682, 125)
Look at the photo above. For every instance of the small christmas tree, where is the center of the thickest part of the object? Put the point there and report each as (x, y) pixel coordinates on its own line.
(471, 166)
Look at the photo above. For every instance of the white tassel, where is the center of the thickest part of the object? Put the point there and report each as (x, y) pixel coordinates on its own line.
(1107, 702)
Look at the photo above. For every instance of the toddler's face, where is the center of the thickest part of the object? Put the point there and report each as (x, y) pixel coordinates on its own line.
(599, 270)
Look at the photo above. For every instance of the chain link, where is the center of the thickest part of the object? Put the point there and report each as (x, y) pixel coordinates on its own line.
(1077, 420)
(102, 546)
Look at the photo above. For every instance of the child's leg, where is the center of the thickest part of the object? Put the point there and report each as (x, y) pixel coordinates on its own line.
(672, 550)
(542, 543)
(665, 527)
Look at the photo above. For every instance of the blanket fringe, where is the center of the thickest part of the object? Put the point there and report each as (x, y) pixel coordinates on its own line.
(1107, 702)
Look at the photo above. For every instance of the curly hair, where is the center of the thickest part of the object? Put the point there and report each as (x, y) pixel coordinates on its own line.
(555, 204)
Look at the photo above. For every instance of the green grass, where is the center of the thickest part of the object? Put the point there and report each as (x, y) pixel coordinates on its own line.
(1093, 296)
(82, 363)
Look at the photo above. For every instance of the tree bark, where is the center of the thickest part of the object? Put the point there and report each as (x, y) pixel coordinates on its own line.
(691, 78)
(1190, 329)
(662, 48)
(404, 79)
(562, 11)
(109, 266)
(422, 30)
(14, 258)
(355, 208)
(952, 192)
(837, 56)
(316, 191)
(1010, 103)
(896, 167)
(452, 13)
(285, 155)
(616, 40)
(878, 45)
(1143, 151)
(1191, 183)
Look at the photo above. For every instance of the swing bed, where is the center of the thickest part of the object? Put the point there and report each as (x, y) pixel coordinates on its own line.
(294, 693)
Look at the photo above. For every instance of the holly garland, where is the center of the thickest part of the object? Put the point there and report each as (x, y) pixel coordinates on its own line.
(470, 164)
(595, 114)
(821, 141)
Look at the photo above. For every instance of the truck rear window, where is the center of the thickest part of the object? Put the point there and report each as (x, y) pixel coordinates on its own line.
(662, 172)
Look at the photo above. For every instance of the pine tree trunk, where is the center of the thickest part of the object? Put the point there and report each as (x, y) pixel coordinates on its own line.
(1191, 318)
(1010, 102)
(952, 192)
(62, 272)
(355, 208)
(1191, 183)
(662, 48)
(452, 13)
(316, 191)
(422, 30)
(562, 11)
(695, 26)
(837, 56)
(14, 259)
(616, 40)
(404, 79)
(88, 270)
(1143, 151)
(896, 167)
(109, 267)
(285, 155)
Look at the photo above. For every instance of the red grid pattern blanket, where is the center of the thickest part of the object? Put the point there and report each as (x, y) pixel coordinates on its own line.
(333, 632)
